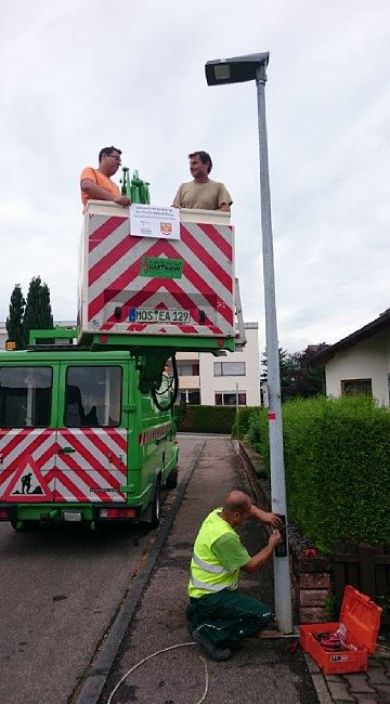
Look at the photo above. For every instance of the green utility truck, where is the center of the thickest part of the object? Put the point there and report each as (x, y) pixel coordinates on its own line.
(79, 440)
(86, 430)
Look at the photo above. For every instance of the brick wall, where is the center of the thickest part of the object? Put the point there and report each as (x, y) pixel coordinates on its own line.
(311, 580)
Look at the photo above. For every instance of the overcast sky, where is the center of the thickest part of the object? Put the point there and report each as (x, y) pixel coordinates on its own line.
(76, 76)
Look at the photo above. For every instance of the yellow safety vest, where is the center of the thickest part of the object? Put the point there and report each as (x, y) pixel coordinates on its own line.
(208, 576)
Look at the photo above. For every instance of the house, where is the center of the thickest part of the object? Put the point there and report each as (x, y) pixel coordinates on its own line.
(3, 336)
(229, 380)
(360, 363)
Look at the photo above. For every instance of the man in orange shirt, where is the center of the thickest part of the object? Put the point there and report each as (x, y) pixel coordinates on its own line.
(96, 183)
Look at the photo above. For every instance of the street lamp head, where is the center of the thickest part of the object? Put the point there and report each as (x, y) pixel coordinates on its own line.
(236, 69)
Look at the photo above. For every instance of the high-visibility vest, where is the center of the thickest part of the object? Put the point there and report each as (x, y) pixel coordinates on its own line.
(208, 576)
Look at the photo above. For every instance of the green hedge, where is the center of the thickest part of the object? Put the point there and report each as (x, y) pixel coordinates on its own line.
(337, 458)
(242, 421)
(205, 419)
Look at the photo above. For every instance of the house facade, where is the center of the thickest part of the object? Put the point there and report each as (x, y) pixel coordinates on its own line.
(3, 336)
(360, 363)
(229, 380)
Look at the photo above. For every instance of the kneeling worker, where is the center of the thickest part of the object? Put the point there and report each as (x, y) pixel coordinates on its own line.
(219, 614)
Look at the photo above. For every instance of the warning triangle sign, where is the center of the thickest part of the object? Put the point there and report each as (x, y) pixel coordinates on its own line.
(28, 484)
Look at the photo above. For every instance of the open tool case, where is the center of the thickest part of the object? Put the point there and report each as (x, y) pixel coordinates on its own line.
(344, 647)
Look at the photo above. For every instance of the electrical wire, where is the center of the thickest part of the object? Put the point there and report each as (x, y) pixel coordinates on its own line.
(158, 652)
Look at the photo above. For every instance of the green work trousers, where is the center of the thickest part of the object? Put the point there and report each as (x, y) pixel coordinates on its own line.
(227, 616)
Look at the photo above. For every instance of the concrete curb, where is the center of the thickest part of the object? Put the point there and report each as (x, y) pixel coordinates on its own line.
(93, 683)
(318, 680)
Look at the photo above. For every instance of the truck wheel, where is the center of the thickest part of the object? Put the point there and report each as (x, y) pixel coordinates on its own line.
(155, 518)
(22, 526)
(171, 481)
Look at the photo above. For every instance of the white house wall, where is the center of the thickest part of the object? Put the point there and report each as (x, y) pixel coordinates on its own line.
(248, 384)
(369, 359)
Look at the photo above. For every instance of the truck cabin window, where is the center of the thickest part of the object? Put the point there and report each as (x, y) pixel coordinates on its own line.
(25, 397)
(93, 397)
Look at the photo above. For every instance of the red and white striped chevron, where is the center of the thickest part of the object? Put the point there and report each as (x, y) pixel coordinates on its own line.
(112, 280)
(78, 465)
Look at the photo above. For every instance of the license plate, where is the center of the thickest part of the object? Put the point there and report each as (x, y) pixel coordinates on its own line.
(149, 315)
(74, 516)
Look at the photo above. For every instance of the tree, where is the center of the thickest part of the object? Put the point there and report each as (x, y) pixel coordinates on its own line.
(297, 375)
(37, 314)
(14, 322)
(46, 314)
(286, 364)
(309, 380)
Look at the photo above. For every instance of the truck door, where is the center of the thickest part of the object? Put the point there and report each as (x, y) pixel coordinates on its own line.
(92, 439)
(27, 443)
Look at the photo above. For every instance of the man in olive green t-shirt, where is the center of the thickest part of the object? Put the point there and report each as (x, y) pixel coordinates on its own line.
(202, 192)
(219, 614)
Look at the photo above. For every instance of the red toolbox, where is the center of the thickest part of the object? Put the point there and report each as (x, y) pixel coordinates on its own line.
(356, 635)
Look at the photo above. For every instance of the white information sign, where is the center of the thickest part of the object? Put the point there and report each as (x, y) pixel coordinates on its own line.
(154, 221)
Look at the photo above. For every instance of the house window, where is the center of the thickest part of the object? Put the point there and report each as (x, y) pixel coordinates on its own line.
(194, 398)
(230, 398)
(188, 369)
(356, 387)
(229, 368)
(190, 397)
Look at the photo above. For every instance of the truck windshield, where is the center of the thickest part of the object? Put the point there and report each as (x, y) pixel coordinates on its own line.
(93, 396)
(25, 397)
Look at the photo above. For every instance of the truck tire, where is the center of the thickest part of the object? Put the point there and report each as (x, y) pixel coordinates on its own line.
(171, 480)
(26, 526)
(156, 505)
(151, 515)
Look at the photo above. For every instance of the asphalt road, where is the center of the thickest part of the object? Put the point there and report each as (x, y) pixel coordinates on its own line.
(60, 590)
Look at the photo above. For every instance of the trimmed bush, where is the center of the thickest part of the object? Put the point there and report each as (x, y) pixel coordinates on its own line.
(337, 458)
(205, 419)
(256, 432)
(242, 421)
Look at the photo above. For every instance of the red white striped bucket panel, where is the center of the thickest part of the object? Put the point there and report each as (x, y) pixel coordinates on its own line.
(115, 281)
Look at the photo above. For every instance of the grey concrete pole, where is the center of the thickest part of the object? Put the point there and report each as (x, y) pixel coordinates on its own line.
(282, 587)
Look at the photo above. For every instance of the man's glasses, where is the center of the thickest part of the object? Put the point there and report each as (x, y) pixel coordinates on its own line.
(115, 156)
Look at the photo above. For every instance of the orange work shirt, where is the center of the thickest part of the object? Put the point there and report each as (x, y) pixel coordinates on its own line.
(101, 180)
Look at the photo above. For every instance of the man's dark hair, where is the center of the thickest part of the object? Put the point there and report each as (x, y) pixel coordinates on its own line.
(204, 157)
(107, 151)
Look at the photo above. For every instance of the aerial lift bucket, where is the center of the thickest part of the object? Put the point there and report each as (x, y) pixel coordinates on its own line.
(167, 294)
(155, 296)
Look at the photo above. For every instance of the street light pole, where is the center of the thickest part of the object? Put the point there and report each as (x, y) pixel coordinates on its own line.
(235, 70)
(275, 428)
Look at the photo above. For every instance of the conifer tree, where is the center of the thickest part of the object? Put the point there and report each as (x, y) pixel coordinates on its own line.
(37, 314)
(46, 314)
(14, 322)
